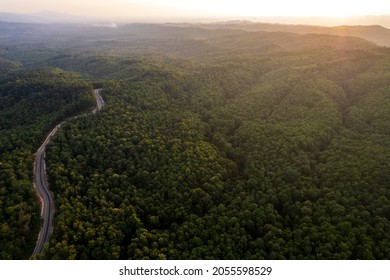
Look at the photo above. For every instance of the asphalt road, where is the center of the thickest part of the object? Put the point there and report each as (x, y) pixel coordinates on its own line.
(46, 197)
(42, 187)
(99, 99)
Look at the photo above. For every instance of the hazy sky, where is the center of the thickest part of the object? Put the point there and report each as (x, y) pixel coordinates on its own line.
(201, 8)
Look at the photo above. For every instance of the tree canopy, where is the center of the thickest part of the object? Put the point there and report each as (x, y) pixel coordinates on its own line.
(212, 144)
(31, 104)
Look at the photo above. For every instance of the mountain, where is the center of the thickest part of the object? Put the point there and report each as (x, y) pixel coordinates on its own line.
(374, 33)
(42, 17)
(383, 20)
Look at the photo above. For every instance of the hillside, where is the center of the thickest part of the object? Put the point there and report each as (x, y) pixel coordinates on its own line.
(31, 103)
(375, 33)
(214, 143)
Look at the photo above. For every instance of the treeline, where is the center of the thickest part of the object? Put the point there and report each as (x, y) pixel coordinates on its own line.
(283, 155)
(31, 103)
(119, 53)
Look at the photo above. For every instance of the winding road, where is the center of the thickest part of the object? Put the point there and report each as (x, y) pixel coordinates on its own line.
(99, 100)
(42, 187)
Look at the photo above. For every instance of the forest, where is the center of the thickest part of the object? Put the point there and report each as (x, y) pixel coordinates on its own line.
(212, 144)
(31, 103)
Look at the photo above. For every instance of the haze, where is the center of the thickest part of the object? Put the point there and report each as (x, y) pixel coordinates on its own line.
(201, 8)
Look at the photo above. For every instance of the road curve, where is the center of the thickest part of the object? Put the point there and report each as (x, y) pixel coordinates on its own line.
(42, 187)
(45, 196)
(99, 99)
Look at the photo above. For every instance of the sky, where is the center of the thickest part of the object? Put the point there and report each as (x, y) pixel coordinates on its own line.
(202, 8)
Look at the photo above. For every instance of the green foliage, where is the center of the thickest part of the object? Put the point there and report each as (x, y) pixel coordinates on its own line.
(230, 161)
(31, 103)
(7, 66)
(214, 144)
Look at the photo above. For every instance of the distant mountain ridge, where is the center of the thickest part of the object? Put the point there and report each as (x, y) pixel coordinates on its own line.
(42, 17)
(374, 33)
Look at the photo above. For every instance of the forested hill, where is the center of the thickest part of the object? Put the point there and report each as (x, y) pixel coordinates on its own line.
(31, 103)
(219, 144)
(48, 44)
(375, 33)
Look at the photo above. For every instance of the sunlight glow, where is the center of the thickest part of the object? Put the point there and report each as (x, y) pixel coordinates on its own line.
(203, 8)
(306, 8)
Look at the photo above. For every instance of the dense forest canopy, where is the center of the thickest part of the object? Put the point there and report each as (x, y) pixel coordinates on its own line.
(31, 103)
(212, 144)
